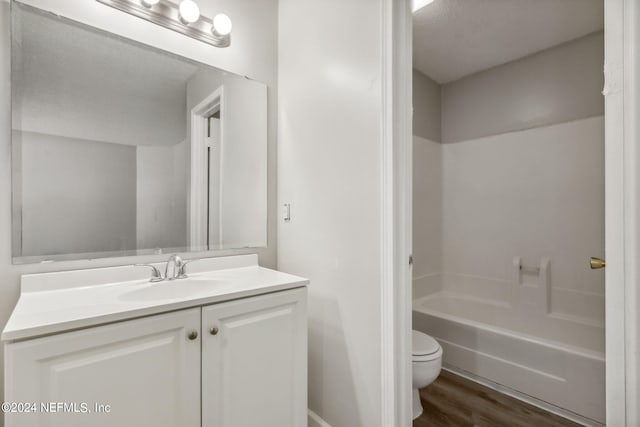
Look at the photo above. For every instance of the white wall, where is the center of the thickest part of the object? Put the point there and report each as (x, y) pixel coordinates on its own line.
(329, 169)
(162, 183)
(243, 197)
(427, 216)
(426, 185)
(427, 103)
(253, 52)
(62, 214)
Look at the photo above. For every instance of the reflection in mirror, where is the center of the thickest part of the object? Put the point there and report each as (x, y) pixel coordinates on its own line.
(121, 149)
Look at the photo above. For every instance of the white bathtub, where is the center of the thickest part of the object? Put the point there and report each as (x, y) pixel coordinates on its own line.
(555, 359)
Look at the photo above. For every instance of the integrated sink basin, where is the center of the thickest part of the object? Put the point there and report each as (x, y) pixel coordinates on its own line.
(176, 289)
(55, 302)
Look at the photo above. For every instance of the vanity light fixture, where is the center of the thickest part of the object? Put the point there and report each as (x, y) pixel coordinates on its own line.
(189, 12)
(183, 18)
(221, 25)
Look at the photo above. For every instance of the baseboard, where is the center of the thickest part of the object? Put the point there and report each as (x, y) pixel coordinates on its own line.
(316, 421)
(524, 397)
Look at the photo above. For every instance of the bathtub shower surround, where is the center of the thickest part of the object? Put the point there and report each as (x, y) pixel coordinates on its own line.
(506, 331)
(533, 194)
(427, 216)
(508, 209)
(514, 299)
(538, 329)
(477, 336)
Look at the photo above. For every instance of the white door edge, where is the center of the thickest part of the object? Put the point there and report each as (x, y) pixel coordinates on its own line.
(621, 212)
(396, 163)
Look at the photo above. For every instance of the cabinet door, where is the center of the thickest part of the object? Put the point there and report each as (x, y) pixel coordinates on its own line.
(147, 370)
(254, 364)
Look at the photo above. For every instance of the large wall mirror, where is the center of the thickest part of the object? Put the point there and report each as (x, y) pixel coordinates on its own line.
(122, 149)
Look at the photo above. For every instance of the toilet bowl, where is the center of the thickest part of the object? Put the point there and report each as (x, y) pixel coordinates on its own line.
(426, 365)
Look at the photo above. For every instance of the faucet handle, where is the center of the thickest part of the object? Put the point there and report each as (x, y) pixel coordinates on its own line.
(182, 268)
(156, 276)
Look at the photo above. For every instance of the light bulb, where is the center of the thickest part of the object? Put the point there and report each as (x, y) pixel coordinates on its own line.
(221, 25)
(189, 11)
(150, 3)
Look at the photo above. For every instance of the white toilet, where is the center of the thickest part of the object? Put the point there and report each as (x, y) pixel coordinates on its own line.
(427, 361)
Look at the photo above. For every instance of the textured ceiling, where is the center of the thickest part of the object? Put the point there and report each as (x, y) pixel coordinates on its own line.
(455, 38)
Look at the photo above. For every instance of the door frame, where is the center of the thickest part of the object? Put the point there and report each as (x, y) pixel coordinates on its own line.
(622, 208)
(199, 181)
(214, 168)
(622, 212)
(396, 212)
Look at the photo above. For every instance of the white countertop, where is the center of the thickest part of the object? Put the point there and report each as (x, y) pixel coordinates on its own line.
(57, 302)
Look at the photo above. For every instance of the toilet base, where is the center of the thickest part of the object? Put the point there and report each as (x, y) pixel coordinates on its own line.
(417, 405)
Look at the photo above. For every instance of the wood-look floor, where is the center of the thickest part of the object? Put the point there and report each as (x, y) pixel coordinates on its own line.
(453, 401)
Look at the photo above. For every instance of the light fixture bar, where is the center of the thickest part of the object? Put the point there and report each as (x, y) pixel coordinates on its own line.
(167, 14)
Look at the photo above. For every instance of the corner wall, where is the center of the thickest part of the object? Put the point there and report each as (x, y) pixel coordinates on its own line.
(427, 216)
(427, 101)
(427, 185)
(329, 170)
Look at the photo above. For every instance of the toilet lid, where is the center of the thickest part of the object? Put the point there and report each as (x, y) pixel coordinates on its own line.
(423, 344)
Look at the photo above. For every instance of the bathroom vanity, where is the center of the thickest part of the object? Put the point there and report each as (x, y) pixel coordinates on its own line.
(126, 147)
(224, 347)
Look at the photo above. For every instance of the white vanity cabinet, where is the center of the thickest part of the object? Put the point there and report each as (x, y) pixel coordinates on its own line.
(254, 362)
(240, 363)
(147, 370)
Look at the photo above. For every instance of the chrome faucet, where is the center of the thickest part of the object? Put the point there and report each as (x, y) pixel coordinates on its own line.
(156, 275)
(176, 268)
(174, 264)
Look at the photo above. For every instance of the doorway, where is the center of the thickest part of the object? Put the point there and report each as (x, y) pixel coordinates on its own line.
(621, 327)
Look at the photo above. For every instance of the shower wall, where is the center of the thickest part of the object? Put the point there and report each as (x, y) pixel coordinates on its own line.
(519, 176)
(533, 194)
(427, 216)
(427, 185)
